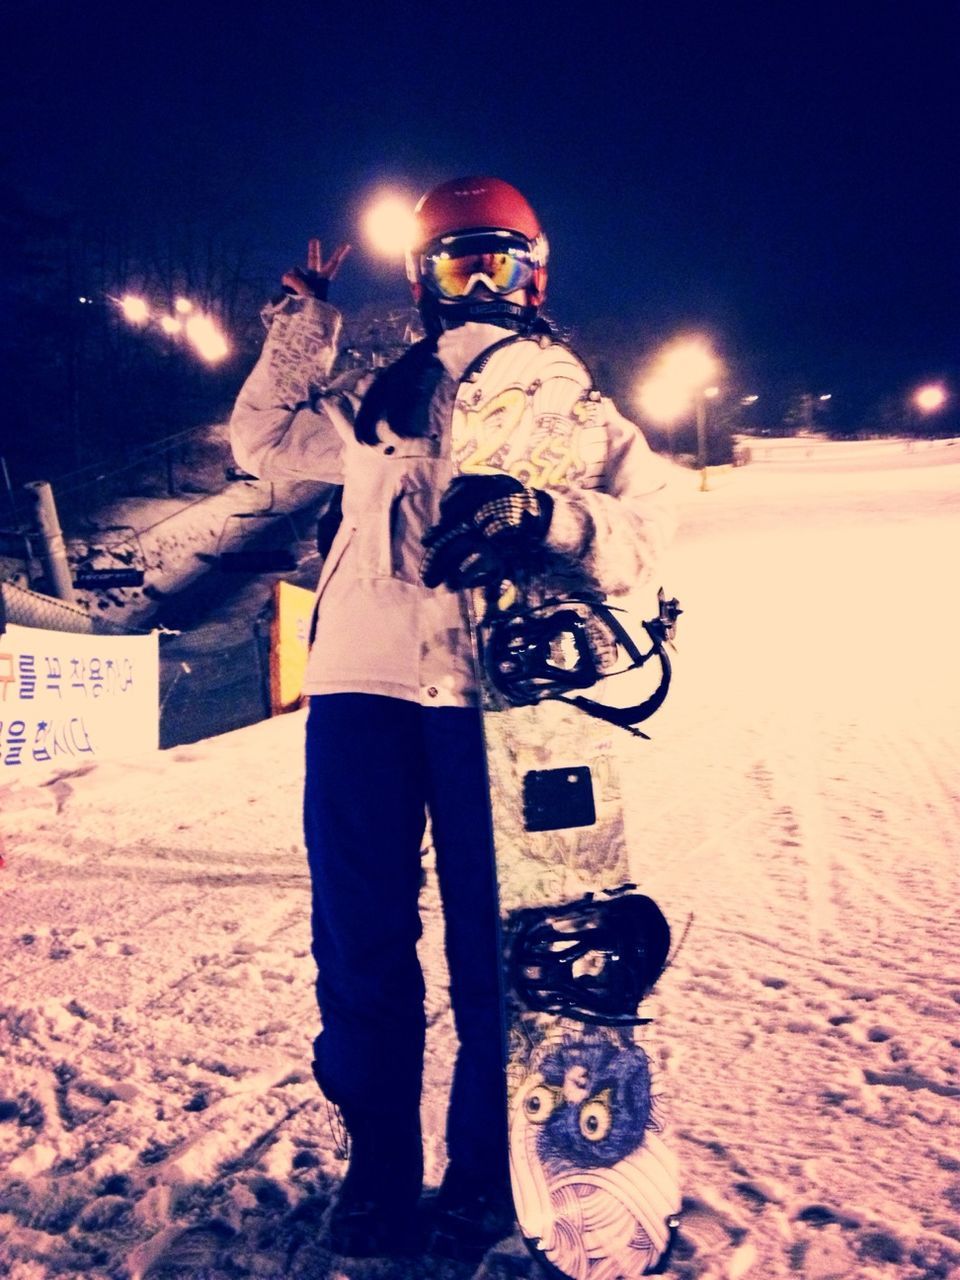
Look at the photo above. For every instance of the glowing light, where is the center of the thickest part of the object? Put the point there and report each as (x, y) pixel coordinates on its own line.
(663, 401)
(681, 370)
(183, 306)
(390, 226)
(689, 363)
(170, 324)
(135, 310)
(930, 398)
(749, 399)
(828, 396)
(711, 393)
(207, 339)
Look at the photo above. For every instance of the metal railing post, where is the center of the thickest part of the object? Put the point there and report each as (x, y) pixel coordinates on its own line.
(52, 547)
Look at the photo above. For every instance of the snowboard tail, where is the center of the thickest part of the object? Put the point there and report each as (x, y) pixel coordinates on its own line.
(594, 1180)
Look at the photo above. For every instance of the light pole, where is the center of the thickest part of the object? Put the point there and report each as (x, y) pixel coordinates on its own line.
(700, 414)
(682, 373)
(927, 402)
(700, 399)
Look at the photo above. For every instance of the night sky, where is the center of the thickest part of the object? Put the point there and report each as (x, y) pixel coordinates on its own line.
(784, 175)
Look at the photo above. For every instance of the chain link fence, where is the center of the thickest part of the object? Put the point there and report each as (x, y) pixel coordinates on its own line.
(26, 608)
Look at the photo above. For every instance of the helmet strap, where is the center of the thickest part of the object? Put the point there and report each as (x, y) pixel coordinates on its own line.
(438, 316)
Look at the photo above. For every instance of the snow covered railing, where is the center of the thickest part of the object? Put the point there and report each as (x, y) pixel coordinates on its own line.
(31, 609)
(25, 608)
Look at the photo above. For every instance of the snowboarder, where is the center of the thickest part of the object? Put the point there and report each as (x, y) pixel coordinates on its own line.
(393, 731)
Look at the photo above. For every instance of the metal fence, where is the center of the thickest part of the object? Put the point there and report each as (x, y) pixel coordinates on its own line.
(30, 609)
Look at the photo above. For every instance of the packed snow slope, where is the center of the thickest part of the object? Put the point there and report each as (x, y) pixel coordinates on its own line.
(798, 800)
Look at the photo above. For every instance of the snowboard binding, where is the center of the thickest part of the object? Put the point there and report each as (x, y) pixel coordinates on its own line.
(550, 650)
(595, 960)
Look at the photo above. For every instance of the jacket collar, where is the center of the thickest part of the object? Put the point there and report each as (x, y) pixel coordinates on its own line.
(458, 348)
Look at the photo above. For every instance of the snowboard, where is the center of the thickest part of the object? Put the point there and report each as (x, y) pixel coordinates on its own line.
(594, 1177)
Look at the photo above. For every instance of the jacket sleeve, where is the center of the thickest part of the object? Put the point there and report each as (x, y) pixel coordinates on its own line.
(618, 530)
(281, 428)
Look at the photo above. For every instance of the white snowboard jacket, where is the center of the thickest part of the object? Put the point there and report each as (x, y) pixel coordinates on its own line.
(377, 628)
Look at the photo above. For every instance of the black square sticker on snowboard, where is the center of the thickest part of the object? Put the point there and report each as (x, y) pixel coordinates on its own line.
(558, 798)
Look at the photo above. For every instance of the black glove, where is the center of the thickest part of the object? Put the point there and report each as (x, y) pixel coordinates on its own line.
(485, 523)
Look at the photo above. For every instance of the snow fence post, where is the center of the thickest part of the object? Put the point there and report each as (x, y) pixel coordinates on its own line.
(52, 547)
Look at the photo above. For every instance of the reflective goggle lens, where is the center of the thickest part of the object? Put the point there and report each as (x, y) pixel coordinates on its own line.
(453, 275)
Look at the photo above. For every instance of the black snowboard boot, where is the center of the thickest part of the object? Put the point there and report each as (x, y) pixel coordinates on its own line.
(376, 1212)
(469, 1214)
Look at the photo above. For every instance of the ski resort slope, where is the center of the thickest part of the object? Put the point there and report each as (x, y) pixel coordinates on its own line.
(795, 814)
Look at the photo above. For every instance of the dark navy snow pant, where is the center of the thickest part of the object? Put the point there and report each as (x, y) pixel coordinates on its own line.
(374, 766)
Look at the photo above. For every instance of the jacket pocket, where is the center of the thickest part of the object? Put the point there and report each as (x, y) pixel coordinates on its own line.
(373, 537)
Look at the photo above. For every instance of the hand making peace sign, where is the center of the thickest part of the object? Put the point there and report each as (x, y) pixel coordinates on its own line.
(313, 281)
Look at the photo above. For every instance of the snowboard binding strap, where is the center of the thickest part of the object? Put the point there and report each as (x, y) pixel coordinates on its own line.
(549, 650)
(595, 960)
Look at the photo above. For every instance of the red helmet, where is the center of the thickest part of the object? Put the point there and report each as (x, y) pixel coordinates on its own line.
(470, 205)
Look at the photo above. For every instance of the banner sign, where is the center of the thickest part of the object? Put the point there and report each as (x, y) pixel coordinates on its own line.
(68, 697)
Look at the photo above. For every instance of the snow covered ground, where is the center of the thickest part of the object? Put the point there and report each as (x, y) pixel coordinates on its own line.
(799, 800)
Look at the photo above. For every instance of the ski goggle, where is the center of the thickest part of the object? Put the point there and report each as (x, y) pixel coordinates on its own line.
(454, 266)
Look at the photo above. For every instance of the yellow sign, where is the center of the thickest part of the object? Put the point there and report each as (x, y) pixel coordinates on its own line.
(289, 642)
